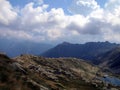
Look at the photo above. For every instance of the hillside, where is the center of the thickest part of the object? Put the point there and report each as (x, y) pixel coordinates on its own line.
(28, 72)
(111, 60)
(87, 51)
(60, 72)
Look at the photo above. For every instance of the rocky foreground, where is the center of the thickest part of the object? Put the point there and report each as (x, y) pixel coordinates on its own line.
(28, 72)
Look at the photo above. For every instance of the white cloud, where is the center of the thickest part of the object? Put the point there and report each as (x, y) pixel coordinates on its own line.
(32, 15)
(83, 7)
(7, 14)
(54, 34)
(111, 35)
(39, 2)
(114, 17)
(88, 3)
(112, 4)
(97, 14)
(15, 34)
(37, 24)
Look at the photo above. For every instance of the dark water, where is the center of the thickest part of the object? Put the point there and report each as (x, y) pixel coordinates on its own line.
(112, 80)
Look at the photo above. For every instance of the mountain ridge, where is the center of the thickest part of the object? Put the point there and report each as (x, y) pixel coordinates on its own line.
(14, 48)
(87, 51)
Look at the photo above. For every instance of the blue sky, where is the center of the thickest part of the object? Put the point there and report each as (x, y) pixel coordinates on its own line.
(55, 21)
(53, 3)
(101, 2)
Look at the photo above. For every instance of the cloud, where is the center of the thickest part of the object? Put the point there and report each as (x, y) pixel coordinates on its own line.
(83, 7)
(112, 4)
(92, 27)
(39, 2)
(7, 13)
(111, 35)
(14, 34)
(34, 22)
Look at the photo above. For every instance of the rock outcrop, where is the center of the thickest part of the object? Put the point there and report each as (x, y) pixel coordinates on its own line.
(28, 72)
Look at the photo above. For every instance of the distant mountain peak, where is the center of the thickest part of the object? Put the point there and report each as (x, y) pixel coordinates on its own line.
(107, 42)
(65, 43)
(98, 42)
(87, 51)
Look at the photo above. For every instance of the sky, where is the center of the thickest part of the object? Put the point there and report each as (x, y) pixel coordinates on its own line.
(55, 21)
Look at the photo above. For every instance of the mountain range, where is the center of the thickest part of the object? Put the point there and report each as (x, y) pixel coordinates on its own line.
(104, 54)
(87, 51)
(14, 48)
(89, 66)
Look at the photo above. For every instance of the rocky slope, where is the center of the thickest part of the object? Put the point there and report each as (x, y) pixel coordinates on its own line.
(28, 72)
(60, 73)
(111, 60)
